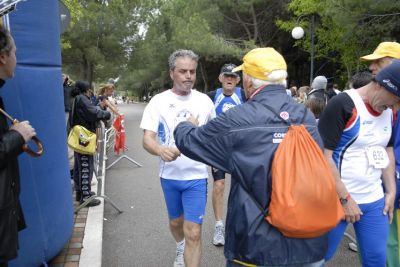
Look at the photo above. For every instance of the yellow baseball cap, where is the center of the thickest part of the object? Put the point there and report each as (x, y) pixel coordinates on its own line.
(384, 49)
(259, 62)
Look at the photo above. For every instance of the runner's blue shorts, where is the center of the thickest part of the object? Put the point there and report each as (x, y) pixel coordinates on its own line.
(185, 197)
(371, 232)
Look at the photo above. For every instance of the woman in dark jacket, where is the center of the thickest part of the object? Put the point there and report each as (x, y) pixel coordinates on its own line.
(84, 113)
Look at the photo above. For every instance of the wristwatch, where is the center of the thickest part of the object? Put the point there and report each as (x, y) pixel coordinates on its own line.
(344, 200)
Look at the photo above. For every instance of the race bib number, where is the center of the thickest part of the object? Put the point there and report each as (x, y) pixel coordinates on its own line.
(377, 157)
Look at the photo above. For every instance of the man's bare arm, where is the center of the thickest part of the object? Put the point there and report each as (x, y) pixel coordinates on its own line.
(389, 181)
(351, 208)
(152, 146)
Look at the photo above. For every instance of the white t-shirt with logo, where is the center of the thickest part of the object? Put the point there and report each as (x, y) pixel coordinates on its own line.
(163, 113)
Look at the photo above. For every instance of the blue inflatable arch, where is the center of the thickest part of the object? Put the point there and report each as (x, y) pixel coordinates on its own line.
(36, 94)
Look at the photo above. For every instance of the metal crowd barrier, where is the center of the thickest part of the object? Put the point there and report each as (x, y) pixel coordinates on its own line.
(110, 137)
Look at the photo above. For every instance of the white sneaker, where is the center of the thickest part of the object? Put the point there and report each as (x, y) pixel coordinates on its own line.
(219, 238)
(179, 260)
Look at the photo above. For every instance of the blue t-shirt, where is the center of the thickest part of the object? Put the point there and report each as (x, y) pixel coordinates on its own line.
(222, 102)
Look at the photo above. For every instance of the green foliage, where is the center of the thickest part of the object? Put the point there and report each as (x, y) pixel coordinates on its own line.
(75, 9)
(98, 44)
(76, 12)
(175, 25)
(346, 29)
(218, 31)
(133, 38)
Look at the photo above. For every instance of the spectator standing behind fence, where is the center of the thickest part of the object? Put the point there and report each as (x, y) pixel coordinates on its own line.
(11, 141)
(101, 102)
(242, 142)
(184, 181)
(67, 88)
(224, 98)
(380, 58)
(84, 113)
(356, 127)
(107, 91)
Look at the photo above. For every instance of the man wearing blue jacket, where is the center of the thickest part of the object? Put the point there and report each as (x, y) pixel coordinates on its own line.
(243, 141)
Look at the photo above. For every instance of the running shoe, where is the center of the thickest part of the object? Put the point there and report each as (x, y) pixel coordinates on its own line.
(179, 260)
(219, 238)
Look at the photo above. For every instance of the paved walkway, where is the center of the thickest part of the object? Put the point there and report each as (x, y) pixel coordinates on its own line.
(85, 245)
(70, 254)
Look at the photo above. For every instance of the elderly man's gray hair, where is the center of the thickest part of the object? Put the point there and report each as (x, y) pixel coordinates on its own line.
(181, 53)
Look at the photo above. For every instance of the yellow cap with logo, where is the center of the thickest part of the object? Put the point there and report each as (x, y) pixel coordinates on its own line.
(384, 49)
(260, 62)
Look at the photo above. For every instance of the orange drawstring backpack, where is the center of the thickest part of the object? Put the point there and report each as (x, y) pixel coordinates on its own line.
(304, 202)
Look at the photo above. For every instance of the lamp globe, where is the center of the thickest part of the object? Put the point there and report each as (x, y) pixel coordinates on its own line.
(297, 32)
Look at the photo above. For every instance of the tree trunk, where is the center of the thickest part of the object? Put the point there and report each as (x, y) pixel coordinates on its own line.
(91, 73)
(85, 69)
(349, 72)
(243, 25)
(255, 23)
(204, 77)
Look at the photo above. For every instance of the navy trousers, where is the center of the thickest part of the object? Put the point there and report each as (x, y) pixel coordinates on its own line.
(83, 173)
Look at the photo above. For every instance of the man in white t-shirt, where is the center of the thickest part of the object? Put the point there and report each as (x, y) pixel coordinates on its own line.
(184, 181)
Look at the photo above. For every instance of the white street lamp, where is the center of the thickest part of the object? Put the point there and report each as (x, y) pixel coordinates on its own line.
(298, 33)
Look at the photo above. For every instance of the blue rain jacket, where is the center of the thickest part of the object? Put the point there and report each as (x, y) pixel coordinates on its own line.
(242, 142)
